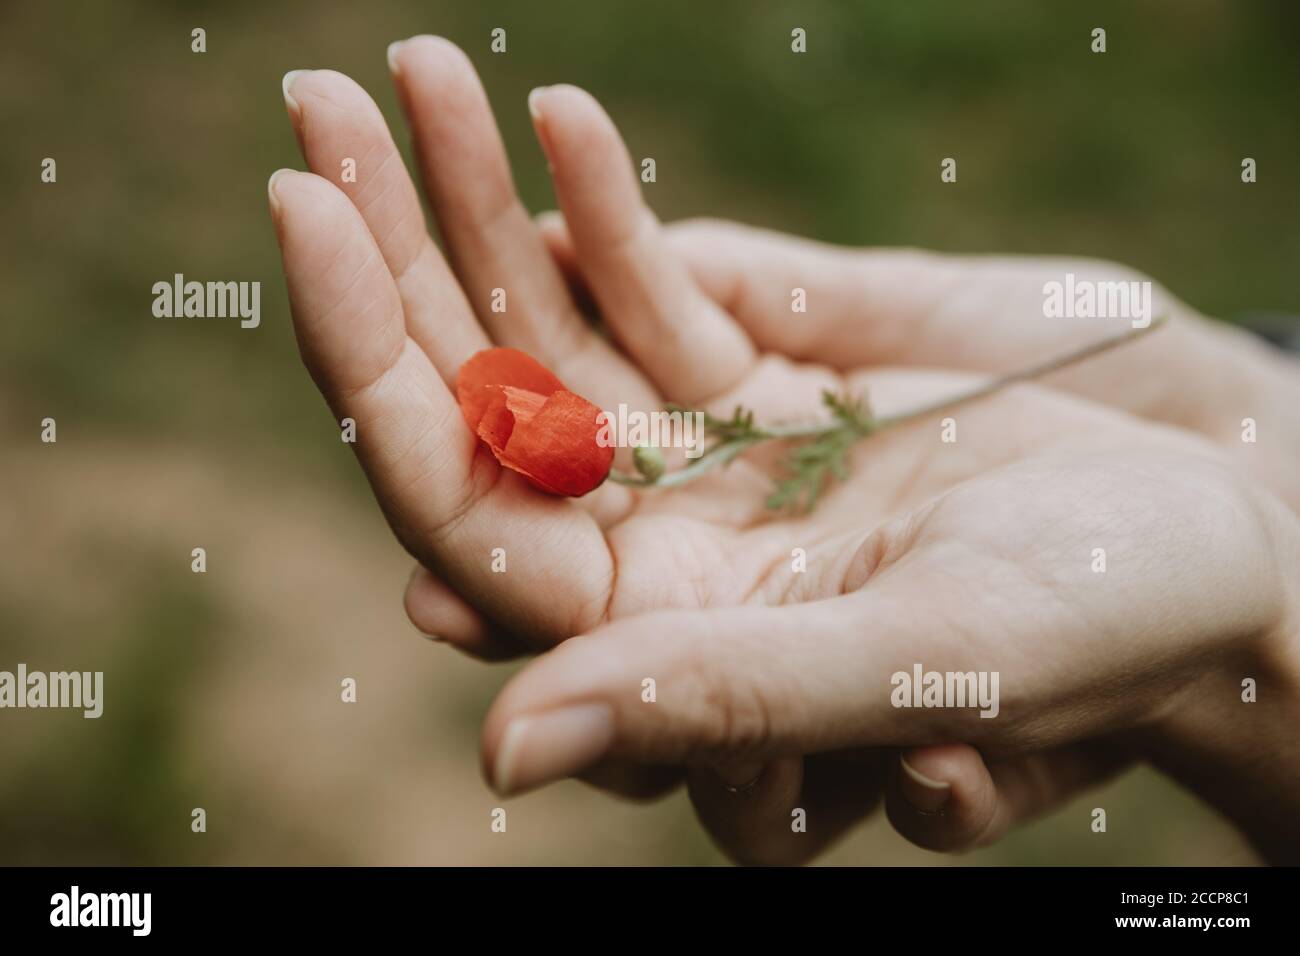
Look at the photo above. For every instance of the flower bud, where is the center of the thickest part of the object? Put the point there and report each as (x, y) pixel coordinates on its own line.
(649, 462)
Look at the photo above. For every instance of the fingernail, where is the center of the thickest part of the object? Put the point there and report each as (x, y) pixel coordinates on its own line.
(286, 84)
(538, 122)
(922, 792)
(393, 66)
(270, 191)
(532, 102)
(550, 219)
(550, 746)
(740, 776)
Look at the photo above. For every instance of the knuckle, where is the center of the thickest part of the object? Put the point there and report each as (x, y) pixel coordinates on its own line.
(721, 714)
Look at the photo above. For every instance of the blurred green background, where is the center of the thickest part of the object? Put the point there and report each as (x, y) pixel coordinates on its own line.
(223, 689)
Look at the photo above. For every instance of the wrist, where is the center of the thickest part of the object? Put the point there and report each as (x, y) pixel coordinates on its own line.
(1231, 735)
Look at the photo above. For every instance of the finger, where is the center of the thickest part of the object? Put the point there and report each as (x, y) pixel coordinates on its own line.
(555, 234)
(912, 307)
(344, 139)
(743, 683)
(440, 613)
(752, 275)
(792, 810)
(450, 504)
(948, 798)
(863, 306)
(755, 682)
(746, 810)
(691, 349)
(489, 235)
(347, 312)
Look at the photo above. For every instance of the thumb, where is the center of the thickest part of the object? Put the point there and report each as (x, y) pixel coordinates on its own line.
(703, 687)
(949, 798)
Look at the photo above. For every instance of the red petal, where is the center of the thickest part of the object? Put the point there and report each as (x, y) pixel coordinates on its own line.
(532, 423)
(479, 378)
(557, 449)
(496, 423)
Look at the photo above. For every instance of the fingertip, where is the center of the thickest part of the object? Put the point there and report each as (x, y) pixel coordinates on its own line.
(539, 124)
(532, 751)
(432, 59)
(943, 764)
(272, 197)
(551, 225)
(441, 615)
(394, 66)
(422, 604)
(561, 95)
(923, 792)
(591, 167)
(942, 797)
(567, 117)
(534, 102)
(294, 193)
(286, 88)
(337, 90)
(750, 822)
(429, 59)
(433, 43)
(580, 674)
(307, 193)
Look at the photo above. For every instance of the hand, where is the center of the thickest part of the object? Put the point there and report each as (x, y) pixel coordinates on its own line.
(383, 325)
(985, 313)
(905, 307)
(1144, 660)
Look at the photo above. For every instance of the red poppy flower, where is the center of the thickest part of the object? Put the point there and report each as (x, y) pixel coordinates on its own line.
(532, 423)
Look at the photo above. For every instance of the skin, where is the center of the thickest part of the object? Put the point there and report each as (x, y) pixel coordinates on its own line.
(773, 687)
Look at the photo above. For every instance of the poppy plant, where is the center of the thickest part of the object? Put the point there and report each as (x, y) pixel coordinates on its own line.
(537, 427)
(533, 424)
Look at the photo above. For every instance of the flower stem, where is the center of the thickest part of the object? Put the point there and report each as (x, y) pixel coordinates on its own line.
(731, 448)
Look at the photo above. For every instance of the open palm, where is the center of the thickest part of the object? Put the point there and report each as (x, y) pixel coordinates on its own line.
(384, 323)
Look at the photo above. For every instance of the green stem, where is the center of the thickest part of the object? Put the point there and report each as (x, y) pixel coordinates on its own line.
(728, 450)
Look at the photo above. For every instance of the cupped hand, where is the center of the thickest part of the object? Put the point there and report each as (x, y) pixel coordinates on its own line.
(384, 322)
